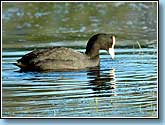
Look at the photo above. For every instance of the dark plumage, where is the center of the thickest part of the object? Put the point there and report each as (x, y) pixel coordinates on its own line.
(60, 58)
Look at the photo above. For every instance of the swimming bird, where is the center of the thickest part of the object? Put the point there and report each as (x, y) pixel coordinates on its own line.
(61, 58)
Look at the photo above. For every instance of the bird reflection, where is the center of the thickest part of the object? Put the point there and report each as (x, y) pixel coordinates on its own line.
(102, 82)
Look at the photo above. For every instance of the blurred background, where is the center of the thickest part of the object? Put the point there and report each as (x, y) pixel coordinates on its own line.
(72, 23)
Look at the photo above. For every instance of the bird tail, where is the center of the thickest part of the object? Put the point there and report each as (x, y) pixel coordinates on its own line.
(19, 64)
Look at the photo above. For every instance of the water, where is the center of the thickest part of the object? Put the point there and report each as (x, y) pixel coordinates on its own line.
(124, 87)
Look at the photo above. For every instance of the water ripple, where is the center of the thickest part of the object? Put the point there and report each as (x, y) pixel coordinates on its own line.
(124, 87)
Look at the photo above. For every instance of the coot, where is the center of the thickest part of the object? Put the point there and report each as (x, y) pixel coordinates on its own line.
(61, 59)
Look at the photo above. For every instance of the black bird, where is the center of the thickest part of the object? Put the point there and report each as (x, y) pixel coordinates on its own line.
(61, 59)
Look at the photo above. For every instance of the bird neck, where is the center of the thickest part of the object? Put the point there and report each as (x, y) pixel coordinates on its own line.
(93, 52)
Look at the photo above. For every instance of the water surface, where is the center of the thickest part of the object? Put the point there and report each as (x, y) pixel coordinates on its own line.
(126, 86)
